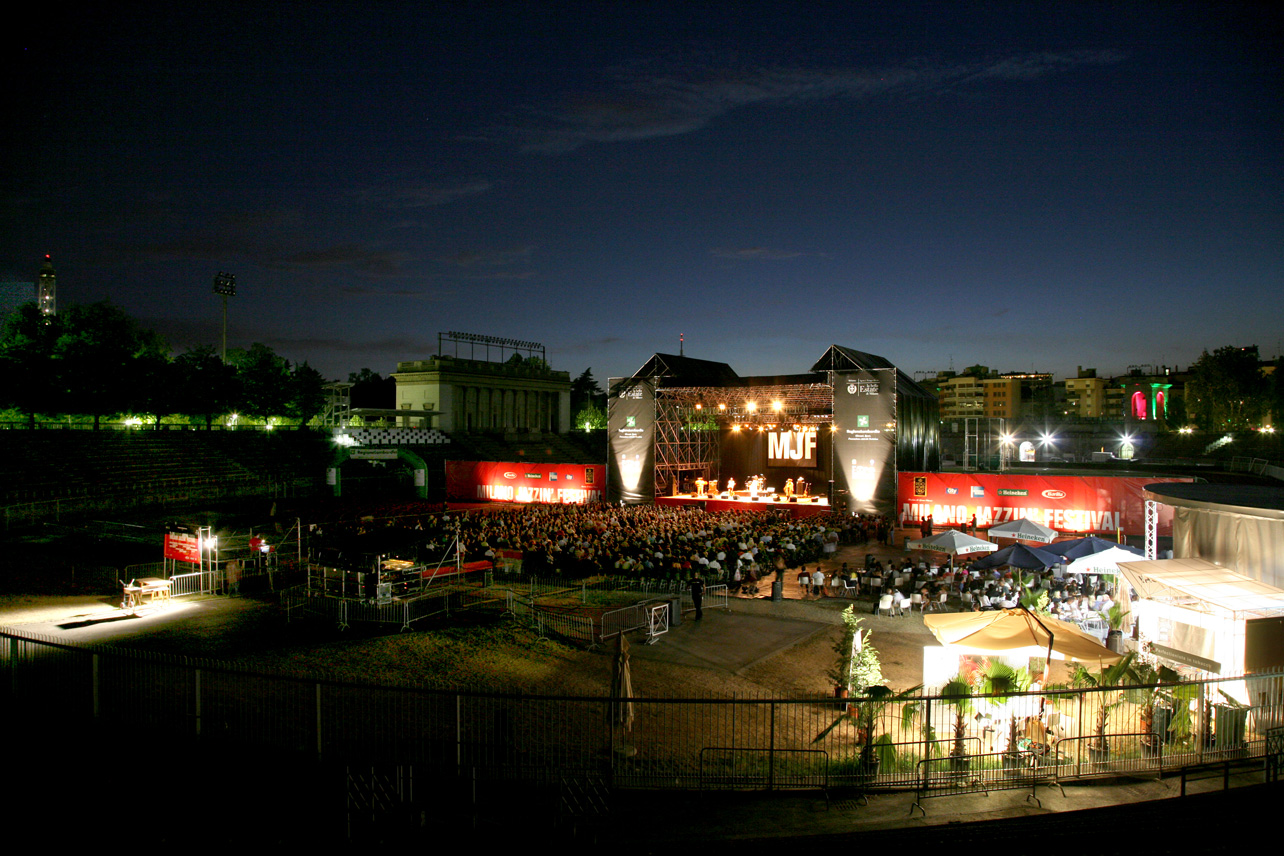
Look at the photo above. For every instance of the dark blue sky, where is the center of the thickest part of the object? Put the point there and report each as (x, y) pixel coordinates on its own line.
(1029, 186)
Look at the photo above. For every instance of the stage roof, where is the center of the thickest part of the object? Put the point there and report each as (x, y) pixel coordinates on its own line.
(1251, 499)
(840, 359)
(1203, 581)
(679, 370)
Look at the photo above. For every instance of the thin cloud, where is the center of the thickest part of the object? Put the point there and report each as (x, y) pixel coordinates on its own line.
(411, 293)
(427, 196)
(490, 257)
(753, 253)
(646, 106)
(361, 259)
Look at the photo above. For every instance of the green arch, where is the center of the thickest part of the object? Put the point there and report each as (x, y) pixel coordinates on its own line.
(334, 473)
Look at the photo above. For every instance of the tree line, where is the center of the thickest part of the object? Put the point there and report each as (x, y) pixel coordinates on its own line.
(95, 361)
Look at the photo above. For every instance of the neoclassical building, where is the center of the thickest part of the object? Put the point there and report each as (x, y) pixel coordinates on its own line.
(456, 394)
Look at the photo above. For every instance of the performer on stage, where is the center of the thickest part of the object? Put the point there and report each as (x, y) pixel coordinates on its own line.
(789, 489)
(700, 485)
(731, 486)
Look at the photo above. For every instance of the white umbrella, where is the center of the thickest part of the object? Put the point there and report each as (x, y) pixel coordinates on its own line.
(1105, 562)
(954, 542)
(1024, 529)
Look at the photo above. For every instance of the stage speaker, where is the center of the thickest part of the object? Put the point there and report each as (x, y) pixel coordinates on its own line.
(793, 499)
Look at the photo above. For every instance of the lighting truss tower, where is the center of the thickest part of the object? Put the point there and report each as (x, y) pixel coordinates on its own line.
(225, 287)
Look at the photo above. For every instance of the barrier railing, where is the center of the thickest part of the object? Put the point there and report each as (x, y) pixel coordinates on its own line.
(661, 742)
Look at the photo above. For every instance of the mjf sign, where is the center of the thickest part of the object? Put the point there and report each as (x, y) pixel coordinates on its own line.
(791, 449)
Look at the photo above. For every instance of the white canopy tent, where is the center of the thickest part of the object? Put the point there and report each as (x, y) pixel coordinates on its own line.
(1196, 612)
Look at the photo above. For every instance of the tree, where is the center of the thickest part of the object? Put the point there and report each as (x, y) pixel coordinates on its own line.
(27, 380)
(307, 393)
(371, 390)
(584, 392)
(589, 417)
(203, 385)
(264, 381)
(100, 357)
(1227, 390)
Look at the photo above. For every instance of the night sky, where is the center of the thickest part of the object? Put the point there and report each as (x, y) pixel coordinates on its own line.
(1027, 186)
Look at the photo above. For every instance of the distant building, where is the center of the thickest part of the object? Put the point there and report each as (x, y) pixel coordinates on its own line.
(453, 394)
(1086, 395)
(47, 288)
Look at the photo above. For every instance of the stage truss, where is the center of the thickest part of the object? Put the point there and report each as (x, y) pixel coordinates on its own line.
(688, 421)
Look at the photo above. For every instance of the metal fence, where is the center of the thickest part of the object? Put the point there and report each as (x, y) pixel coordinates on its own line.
(746, 743)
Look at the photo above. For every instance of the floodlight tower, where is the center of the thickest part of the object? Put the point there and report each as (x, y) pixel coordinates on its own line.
(225, 286)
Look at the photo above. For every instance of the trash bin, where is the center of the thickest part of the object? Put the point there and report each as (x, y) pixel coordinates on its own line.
(1229, 724)
(777, 590)
(675, 611)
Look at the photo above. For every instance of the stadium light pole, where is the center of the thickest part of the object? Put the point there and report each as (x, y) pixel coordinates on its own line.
(225, 286)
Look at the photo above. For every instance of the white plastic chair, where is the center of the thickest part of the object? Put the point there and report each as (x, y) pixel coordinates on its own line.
(885, 605)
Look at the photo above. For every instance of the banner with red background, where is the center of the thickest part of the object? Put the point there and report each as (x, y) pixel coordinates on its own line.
(491, 481)
(1072, 504)
(182, 547)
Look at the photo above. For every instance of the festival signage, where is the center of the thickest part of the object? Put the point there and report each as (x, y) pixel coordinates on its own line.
(791, 448)
(1070, 504)
(864, 438)
(182, 547)
(630, 425)
(494, 481)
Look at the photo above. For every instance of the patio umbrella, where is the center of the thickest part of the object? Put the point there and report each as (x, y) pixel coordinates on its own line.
(1081, 547)
(622, 684)
(1019, 556)
(1024, 529)
(1017, 631)
(1105, 562)
(954, 542)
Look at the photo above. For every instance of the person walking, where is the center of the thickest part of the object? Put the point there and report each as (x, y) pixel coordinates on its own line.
(697, 595)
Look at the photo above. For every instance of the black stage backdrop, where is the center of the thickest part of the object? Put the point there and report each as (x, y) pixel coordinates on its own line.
(630, 425)
(744, 453)
(864, 439)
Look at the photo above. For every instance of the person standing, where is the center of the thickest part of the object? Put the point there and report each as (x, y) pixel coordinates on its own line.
(697, 595)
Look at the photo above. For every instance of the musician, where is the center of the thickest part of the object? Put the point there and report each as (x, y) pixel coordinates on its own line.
(789, 489)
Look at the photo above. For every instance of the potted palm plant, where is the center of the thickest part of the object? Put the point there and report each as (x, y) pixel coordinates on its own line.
(866, 713)
(1109, 680)
(1001, 681)
(957, 693)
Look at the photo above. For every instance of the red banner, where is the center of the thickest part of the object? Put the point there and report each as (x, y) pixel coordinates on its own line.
(491, 481)
(183, 547)
(1070, 504)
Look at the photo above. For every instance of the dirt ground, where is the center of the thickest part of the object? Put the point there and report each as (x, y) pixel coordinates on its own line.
(488, 653)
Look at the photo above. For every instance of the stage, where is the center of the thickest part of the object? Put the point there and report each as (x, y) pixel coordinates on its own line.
(806, 506)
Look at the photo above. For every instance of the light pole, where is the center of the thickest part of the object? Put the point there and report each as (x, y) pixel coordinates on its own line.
(225, 286)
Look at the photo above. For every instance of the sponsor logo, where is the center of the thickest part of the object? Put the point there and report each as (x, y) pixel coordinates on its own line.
(977, 490)
(510, 475)
(552, 476)
(630, 422)
(1007, 491)
(862, 421)
(534, 476)
(1055, 494)
(851, 389)
(920, 486)
(951, 490)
